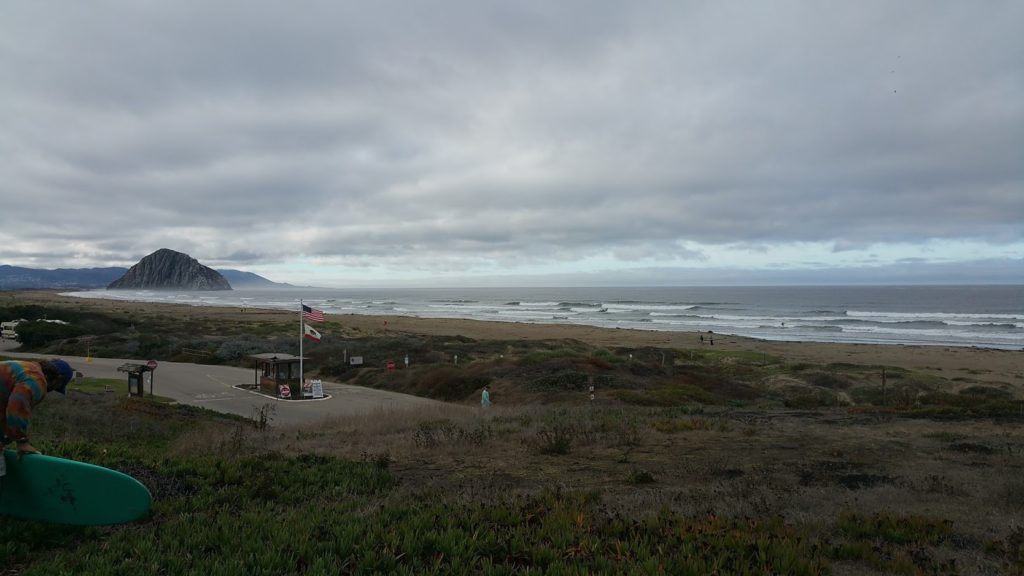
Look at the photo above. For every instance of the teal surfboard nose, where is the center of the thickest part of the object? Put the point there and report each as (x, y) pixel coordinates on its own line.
(49, 489)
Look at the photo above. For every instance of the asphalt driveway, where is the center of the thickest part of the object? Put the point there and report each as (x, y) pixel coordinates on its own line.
(213, 387)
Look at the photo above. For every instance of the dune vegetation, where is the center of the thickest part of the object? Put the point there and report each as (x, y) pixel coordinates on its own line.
(686, 461)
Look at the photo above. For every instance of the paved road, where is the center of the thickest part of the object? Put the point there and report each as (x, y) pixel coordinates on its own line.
(213, 387)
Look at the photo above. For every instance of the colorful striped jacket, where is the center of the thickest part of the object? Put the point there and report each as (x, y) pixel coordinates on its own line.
(22, 386)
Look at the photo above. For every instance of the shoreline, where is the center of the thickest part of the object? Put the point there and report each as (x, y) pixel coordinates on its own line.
(989, 365)
(856, 317)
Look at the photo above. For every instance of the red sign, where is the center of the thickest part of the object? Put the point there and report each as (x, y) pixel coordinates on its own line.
(391, 364)
(286, 392)
(151, 364)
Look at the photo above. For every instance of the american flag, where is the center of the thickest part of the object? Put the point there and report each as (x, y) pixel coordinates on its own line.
(312, 314)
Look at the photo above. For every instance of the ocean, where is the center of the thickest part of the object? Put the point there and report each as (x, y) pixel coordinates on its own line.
(981, 316)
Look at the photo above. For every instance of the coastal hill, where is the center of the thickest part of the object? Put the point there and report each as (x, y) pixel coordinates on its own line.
(241, 279)
(167, 269)
(20, 278)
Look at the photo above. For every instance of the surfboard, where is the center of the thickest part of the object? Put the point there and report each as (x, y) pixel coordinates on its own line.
(49, 489)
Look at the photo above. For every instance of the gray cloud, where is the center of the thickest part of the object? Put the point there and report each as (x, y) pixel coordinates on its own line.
(487, 134)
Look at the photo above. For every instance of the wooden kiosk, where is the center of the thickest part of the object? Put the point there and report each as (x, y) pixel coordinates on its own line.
(278, 375)
(135, 377)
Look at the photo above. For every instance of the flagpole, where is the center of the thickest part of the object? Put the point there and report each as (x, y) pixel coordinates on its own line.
(302, 336)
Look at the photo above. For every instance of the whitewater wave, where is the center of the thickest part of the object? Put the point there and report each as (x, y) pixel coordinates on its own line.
(943, 316)
(969, 324)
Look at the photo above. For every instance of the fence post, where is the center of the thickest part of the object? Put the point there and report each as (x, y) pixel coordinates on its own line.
(884, 402)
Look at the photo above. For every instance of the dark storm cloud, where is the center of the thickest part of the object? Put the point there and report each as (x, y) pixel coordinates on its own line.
(504, 133)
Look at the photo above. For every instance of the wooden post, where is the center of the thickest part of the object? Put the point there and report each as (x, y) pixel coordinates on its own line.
(884, 386)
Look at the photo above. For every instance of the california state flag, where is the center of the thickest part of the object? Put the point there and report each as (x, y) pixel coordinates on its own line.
(310, 333)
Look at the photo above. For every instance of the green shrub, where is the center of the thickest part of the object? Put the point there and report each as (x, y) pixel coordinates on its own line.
(555, 438)
(683, 425)
(444, 431)
(988, 392)
(894, 529)
(808, 398)
(674, 394)
(828, 380)
(640, 476)
(1012, 494)
(240, 348)
(40, 334)
(609, 356)
(540, 356)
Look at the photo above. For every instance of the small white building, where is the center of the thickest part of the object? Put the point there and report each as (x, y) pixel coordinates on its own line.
(7, 329)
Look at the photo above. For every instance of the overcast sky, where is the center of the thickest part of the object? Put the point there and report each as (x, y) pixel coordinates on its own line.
(397, 143)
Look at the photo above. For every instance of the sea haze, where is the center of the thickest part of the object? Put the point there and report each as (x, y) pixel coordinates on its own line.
(982, 316)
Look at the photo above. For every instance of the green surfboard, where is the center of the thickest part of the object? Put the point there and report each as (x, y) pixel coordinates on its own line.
(49, 489)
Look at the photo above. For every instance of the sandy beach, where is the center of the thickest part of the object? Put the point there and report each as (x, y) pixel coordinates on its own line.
(996, 367)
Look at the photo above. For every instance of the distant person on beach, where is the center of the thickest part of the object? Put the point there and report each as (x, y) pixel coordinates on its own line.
(485, 397)
(23, 385)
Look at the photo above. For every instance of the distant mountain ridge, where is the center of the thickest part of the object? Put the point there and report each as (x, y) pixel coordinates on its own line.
(240, 279)
(21, 278)
(16, 277)
(168, 269)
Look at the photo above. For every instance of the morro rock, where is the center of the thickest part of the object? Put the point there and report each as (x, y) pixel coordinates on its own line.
(169, 270)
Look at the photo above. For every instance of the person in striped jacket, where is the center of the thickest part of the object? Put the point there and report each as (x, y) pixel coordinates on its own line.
(23, 385)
